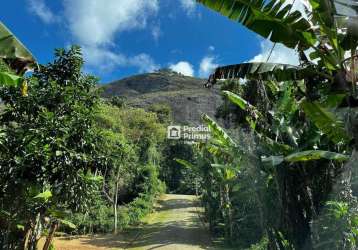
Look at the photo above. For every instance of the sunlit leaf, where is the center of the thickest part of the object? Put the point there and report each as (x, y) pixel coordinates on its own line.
(326, 121)
(45, 196)
(68, 224)
(218, 132)
(7, 79)
(315, 155)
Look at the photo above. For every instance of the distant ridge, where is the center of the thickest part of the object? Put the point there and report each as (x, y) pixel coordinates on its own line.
(187, 96)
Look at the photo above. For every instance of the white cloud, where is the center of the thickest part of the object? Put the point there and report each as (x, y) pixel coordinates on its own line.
(101, 58)
(93, 22)
(280, 54)
(144, 62)
(97, 27)
(207, 66)
(211, 48)
(156, 32)
(40, 9)
(189, 6)
(105, 60)
(183, 67)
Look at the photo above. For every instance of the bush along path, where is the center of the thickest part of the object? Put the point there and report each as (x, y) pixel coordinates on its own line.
(175, 224)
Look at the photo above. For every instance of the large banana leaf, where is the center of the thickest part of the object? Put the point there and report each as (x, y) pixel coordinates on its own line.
(271, 19)
(8, 79)
(326, 121)
(255, 115)
(303, 156)
(13, 51)
(243, 104)
(220, 135)
(261, 71)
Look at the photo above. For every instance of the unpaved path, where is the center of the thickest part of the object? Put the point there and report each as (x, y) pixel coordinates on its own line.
(175, 225)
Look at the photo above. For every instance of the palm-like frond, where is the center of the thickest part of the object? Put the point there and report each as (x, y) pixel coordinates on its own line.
(260, 71)
(271, 19)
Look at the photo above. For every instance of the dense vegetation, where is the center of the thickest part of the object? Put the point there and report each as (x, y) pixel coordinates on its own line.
(285, 177)
(66, 155)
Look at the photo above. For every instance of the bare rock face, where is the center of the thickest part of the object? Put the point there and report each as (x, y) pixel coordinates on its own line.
(187, 96)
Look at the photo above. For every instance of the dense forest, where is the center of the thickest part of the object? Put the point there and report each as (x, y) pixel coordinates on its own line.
(279, 171)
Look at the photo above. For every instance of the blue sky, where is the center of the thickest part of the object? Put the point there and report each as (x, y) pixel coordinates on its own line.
(125, 37)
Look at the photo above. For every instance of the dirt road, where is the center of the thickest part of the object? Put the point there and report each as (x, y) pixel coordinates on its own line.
(175, 225)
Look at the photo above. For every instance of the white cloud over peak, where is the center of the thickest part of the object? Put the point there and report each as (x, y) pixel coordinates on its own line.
(103, 58)
(183, 67)
(40, 9)
(106, 61)
(280, 54)
(207, 66)
(143, 62)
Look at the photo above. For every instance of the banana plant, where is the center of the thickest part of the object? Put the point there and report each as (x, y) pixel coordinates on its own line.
(318, 132)
(14, 53)
(331, 36)
(324, 118)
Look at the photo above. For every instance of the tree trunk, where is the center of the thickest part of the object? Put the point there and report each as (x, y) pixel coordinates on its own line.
(51, 235)
(34, 235)
(115, 231)
(115, 202)
(27, 236)
(229, 211)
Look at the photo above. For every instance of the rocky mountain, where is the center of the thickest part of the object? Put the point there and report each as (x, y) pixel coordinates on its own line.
(187, 96)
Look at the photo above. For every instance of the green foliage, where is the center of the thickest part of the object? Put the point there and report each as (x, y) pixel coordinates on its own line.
(8, 79)
(163, 111)
(131, 140)
(262, 245)
(326, 121)
(51, 144)
(338, 226)
(178, 178)
(118, 101)
(304, 156)
(303, 123)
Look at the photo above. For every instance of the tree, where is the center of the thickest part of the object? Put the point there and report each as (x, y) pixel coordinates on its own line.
(132, 143)
(51, 157)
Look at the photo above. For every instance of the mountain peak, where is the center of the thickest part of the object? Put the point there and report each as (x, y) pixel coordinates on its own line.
(187, 96)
